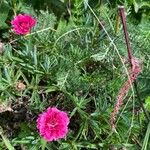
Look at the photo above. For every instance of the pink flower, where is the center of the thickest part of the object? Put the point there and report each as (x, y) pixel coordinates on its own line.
(53, 124)
(22, 24)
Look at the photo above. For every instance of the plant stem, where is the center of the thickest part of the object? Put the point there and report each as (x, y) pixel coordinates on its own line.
(140, 101)
(146, 138)
(123, 19)
(117, 24)
(130, 56)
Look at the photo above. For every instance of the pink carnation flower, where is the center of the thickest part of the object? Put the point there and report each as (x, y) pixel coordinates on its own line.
(53, 124)
(22, 24)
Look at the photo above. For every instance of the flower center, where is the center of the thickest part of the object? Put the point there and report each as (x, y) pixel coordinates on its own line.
(52, 123)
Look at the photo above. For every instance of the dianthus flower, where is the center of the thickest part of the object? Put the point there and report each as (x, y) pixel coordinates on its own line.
(22, 24)
(53, 124)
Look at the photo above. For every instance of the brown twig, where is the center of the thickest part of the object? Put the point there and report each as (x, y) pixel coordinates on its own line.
(130, 56)
(123, 19)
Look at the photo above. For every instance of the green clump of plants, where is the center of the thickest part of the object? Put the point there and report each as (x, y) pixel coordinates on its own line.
(75, 59)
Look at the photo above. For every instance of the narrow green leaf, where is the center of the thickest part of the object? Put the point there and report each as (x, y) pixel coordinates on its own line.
(6, 141)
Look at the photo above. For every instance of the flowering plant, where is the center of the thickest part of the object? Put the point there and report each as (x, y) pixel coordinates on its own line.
(22, 24)
(53, 124)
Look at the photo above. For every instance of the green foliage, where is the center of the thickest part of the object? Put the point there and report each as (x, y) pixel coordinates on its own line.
(147, 103)
(6, 141)
(4, 10)
(71, 64)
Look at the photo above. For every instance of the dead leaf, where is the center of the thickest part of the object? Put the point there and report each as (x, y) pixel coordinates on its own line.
(1, 47)
(5, 107)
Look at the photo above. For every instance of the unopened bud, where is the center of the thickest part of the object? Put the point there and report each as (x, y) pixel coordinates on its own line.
(20, 86)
